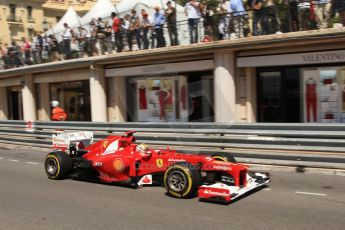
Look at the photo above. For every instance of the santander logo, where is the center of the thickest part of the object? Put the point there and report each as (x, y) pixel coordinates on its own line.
(146, 180)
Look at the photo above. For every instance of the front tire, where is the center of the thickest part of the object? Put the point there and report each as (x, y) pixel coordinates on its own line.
(58, 165)
(182, 180)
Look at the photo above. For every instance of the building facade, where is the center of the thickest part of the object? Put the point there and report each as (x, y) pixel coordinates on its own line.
(295, 77)
(24, 18)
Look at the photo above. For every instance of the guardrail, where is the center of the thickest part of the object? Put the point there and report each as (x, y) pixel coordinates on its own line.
(290, 144)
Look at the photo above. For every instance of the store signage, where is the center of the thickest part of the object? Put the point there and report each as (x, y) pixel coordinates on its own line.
(161, 68)
(293, 59)
(325, 57)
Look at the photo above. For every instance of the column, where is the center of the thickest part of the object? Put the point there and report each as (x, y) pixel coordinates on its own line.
(29, 104)
(44, 103)
(251, 94)
(117, 101)
(98, 94)
(224, 87)
(3, 104)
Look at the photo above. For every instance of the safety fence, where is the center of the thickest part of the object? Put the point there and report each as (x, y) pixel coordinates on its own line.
(314, 145)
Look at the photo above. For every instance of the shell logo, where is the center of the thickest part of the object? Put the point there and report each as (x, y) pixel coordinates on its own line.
(118, 165)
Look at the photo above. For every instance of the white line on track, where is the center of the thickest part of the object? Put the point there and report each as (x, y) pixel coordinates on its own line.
(31, 163)
(267, 189)
(1, 158)
(311, 193)
(13, 160)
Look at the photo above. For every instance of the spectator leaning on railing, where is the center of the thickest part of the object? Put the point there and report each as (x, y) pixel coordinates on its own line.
(322, 10)
(192, 11)
(134, 30)
(146, 26)
(170, 14)
(117, 32)
(158, 24)
(258, 16)
(238, 13)
(339, 7)
(223, 11)
(101, 35)
(26, 48)
(67, 38)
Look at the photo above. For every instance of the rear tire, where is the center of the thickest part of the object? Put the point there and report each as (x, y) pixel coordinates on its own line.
(225, 157)
(58, 165)
(182, 180)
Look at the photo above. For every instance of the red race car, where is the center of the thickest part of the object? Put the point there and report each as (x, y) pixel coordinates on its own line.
(118, 159)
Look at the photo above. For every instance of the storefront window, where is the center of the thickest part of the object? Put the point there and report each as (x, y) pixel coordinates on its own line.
(324, 95)
(74, 98)
(170, 98)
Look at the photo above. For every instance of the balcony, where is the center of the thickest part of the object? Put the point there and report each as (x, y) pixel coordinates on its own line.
(14, 19)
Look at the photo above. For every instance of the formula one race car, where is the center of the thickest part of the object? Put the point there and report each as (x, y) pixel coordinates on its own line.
(119, 159)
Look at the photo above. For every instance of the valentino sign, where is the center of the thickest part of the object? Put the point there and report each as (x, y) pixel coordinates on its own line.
(324, 57)
(293, 59)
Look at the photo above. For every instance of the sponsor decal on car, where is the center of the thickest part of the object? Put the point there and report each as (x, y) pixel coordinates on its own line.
(97, 164)
(222, 167)
(105, 143)
(118, 165)
(159, 162)
(176, 160)
(147, 179)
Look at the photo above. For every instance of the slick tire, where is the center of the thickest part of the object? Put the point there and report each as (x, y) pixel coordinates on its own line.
(182, 180)
(58, 165)
(225, 157)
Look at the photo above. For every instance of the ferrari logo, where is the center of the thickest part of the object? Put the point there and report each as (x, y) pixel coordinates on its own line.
(105, 143)
(159, 163)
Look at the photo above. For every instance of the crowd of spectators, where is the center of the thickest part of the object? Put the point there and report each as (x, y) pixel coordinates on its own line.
(138, 30)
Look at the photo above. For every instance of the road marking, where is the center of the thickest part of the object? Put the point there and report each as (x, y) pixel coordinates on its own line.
(1, 158)
(311, 193)
(13, 160)
(267, 189)
(32, 163)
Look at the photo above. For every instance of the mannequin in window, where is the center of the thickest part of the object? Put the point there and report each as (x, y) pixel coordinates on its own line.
(311, 99)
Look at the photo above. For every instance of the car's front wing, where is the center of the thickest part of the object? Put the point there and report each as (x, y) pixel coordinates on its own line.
(223, 192)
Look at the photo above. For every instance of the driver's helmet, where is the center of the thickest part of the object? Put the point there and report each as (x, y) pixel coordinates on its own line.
(144, 148)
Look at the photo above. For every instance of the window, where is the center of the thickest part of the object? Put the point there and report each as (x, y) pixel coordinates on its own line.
(12, 12)
(29, 9)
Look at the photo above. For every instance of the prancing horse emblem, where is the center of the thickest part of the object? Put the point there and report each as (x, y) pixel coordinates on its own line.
(159, 163)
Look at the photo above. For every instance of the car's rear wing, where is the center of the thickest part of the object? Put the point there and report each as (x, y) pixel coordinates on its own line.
(64, 140)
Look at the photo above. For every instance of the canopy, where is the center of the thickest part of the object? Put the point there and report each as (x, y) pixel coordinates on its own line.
(102, 8)
(70, 17)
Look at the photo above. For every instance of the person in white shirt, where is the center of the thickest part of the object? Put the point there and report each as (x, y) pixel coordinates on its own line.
(146, 25)
(192, 11)
(67, 37)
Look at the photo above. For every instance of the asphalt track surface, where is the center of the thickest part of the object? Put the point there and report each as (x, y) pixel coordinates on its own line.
(29, 200)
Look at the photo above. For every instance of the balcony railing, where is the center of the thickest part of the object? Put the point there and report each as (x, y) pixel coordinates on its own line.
(13, 18)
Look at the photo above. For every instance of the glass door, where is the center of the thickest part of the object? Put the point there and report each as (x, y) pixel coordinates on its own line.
(270, 100)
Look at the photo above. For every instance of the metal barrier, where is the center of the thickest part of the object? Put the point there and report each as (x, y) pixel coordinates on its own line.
(290, 144)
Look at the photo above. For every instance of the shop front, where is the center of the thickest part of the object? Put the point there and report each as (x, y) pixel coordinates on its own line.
(71, 89)
(178, 92)
(304, 87)
(74, 97)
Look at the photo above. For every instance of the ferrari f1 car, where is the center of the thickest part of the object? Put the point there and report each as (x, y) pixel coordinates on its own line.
(118, 159)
